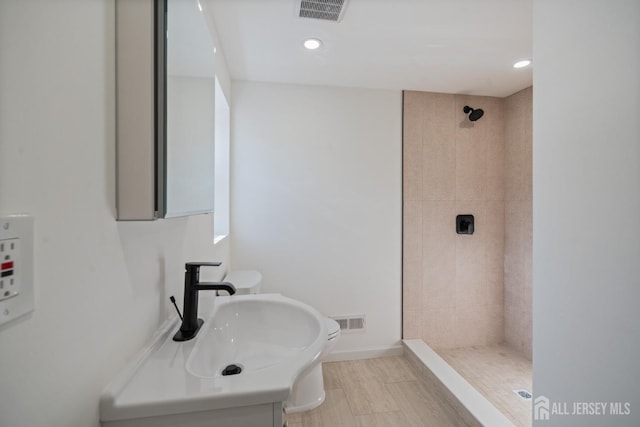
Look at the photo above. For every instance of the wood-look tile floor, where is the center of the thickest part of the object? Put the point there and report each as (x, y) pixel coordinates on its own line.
(495, 371)
(382, 392)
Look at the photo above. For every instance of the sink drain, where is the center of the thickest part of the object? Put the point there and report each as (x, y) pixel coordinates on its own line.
(231, 370)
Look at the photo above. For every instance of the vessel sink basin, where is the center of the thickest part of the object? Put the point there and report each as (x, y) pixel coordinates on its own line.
(266, 335)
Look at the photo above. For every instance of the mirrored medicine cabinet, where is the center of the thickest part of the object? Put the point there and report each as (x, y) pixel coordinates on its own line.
(165, 85)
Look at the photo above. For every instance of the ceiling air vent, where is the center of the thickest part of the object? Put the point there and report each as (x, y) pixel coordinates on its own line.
(329, 10)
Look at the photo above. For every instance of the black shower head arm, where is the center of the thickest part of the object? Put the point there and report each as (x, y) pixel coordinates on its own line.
(474, 113)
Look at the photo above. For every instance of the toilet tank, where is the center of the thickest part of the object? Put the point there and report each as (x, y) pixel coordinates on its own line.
(245, 281)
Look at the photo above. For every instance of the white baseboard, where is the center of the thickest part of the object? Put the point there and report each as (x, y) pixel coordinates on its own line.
(339, 356)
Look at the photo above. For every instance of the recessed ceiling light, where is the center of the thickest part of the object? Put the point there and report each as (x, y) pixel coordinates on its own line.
(522, 64)
(312, 44)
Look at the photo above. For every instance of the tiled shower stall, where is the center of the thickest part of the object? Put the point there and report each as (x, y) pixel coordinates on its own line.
(463, 290)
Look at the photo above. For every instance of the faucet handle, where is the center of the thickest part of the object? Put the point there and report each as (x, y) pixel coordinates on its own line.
(192, 270)
(206, 264)
(197, 265)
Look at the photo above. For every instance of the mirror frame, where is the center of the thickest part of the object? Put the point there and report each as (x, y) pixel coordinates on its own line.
(160, 120)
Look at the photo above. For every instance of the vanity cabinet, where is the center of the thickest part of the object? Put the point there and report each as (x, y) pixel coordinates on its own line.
(267, 415)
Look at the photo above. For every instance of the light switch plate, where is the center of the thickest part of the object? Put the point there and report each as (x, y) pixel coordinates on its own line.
(16, 266)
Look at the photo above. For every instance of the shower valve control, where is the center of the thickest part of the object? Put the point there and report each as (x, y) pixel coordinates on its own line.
(464, 224)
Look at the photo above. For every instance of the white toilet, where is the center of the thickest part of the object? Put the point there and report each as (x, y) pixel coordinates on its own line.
(308, 390)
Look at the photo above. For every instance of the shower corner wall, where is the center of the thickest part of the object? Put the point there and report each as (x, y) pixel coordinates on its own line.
(518, 221)
(466, 290)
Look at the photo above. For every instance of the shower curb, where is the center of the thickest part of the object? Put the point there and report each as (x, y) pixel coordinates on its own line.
(436, 374)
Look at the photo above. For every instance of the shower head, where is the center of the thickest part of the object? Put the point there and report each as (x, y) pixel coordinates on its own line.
(476, 113)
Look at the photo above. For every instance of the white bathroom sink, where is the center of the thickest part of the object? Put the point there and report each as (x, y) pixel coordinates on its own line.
(258, 332)
(274, 339)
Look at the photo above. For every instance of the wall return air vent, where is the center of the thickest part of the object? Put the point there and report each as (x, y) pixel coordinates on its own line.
(353, 323)
(328, 10)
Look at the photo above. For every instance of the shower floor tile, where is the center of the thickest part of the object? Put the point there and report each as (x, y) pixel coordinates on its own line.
(495, 371)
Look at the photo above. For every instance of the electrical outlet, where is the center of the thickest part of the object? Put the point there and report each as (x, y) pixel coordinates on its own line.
(16, 266)
(9, 268)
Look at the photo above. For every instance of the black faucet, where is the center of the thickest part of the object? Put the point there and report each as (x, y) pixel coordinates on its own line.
(190, 322)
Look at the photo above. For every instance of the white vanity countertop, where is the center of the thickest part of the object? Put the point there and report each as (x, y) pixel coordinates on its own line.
(157, 383)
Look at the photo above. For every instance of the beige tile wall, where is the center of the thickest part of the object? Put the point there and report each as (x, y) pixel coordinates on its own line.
(463, 290)
(518, 221)
(453, 284)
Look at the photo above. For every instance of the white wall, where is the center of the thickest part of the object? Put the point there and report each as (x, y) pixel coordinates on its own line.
(586, 338)
(316, 199)
(102, 287)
